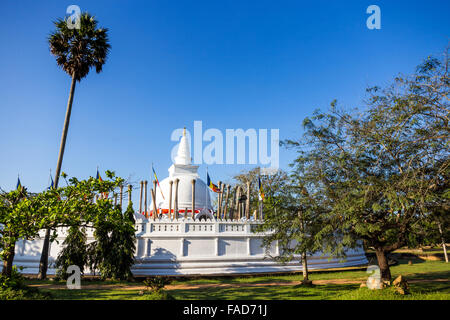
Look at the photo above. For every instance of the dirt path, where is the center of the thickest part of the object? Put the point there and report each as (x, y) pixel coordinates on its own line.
(217, 285)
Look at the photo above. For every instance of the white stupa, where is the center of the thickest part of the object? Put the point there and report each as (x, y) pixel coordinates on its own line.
(183, 170)
(186, 246)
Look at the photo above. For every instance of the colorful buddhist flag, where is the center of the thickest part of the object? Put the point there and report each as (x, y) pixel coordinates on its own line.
(99, 178)
(51, 183)
(157, 182)
(261, 191)
(19, 185)
(211, 185)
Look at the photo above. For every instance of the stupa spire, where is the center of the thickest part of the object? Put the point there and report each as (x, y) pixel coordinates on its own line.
(183, 154)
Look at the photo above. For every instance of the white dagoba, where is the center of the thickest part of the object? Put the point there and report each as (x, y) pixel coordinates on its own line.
(183, 170)
(186, 246)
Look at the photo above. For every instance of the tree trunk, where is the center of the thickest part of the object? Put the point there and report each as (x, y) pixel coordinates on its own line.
(8, 263)
(305, 266)
(443, 243)
(385, 272)
(43, 264)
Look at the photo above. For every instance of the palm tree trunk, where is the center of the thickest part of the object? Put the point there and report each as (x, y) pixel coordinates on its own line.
(43, 264)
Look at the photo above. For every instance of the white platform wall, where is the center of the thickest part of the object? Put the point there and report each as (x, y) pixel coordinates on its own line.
(187, 247)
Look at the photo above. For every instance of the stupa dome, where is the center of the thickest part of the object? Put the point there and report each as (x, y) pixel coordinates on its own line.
(183, 170)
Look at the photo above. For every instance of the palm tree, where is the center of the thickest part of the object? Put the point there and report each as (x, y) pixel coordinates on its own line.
(76, 52)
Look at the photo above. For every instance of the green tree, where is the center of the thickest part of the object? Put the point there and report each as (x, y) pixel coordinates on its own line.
(112, 252)
(76, 52)
(22, 216)
(74, 251)
(272, 184)
(384, 171)
(294, 219)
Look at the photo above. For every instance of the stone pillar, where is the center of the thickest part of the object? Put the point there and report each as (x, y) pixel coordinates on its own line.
(225, 210)
(232, 207)
(193, 199)
(140, 197)
(219, 200)
(247, 204)
(177, 181)
(170, 199)
(145, 199)
(222, 188)
(121, 196)
(154, 189)
(238, 207)
(130, 187)
(155, 213)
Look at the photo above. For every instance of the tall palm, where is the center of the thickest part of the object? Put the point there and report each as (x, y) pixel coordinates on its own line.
(76, 52)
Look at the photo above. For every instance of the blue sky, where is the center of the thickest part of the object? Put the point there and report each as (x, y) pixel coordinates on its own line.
(230, 64)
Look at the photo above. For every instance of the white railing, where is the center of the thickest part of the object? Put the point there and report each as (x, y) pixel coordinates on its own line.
(189, 226)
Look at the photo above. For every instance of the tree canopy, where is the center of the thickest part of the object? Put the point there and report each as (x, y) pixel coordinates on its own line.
(380, 173)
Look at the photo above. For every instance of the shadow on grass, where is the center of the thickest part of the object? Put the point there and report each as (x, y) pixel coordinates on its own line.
(264, 293)
(66, 294)
(429, 275)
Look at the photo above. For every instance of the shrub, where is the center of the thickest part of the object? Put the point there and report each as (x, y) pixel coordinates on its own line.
(157, 295)
(156, 284)
(15, 281)
(14, 288)
(155, 287)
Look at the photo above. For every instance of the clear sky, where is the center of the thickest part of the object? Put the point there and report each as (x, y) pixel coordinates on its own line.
(231, 64)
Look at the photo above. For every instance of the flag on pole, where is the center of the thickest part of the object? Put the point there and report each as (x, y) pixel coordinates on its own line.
(261, 191)
(157, 181)
(19, 185)
(99, 178)
(51, 183)
(211, 185)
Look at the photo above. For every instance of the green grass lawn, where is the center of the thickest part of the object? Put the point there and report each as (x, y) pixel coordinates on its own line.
(419, 270)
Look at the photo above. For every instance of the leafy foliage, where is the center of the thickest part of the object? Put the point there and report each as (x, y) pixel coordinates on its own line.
(22, 215)
(273, 185)
(157, 283)
(74, 252)
(13, 288)
(381, 174)
(78, 50)
(113, 251)
(155, 288)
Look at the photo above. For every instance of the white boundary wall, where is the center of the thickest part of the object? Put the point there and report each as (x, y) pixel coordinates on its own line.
(187, 247)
